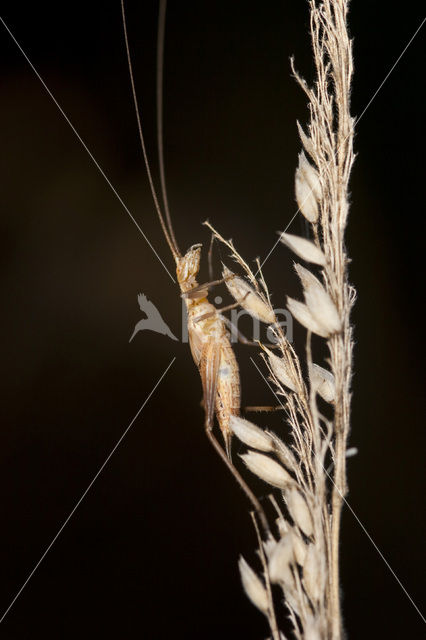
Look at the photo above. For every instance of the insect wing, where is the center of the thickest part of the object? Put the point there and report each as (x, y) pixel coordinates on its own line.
(209, 371)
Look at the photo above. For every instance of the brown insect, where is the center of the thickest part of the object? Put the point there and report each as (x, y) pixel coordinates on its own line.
(210, 347)
(207, 330)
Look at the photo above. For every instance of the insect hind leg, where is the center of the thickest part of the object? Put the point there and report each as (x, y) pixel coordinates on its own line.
(244, 486)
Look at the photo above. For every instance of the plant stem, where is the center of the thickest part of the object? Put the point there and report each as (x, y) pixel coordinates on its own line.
(336, 506)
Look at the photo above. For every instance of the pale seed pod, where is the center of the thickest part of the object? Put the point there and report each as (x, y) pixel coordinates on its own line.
(281, 370)
(311, 175)
(305, 198)
(322, 382)
(352, 451)
(269, 545)
(299, 511)
(267, 469)
(323, 309)
(283, 526)
(306, 141)
(247, 297)
(305, 191)
(283, 452)
(307, 278)
(293, 601)
(312, 630)
(253, 586)
(299, 548)
(304, 248)
(319, 302)
(303, 315)
(250, 434)
(281, 561)
(311, 574)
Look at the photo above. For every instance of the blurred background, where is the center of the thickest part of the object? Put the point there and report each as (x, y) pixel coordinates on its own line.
(151, 551)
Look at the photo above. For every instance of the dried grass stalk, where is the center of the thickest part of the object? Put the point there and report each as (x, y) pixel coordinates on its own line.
(303, 557)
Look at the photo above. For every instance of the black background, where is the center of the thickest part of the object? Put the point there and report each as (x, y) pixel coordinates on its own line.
(151, 552)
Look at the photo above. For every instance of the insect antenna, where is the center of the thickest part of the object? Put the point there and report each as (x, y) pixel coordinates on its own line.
(167, 234)
(159, 91)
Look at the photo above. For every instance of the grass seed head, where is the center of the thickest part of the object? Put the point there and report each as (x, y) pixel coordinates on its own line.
(312, 630)
(306, 141)
(304, 248)
(323, 309)
(281, 562)
(281, 370)
(247, 297)
(319, 302)
(251, 434)
(312, 573)
(311, 175)
(301, 312)
(267, 469)
(299, 548)
(253, 586)
(299, 511)
(305, 197)
(323, 383)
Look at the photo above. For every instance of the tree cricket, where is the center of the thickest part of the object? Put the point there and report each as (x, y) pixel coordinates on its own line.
(208, 333)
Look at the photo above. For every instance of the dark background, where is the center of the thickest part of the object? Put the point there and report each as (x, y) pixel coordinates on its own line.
(151, 552)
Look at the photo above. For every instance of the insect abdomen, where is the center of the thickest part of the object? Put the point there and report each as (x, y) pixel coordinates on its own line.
(228, 400)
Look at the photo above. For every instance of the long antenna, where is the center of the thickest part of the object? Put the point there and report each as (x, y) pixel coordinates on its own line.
(160, 143)
(173, 248)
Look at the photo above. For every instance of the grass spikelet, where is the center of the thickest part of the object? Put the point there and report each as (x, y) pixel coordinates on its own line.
(304, 248)
(304, 558)
(253, 586)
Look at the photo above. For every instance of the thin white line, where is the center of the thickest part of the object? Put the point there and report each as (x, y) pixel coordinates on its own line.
(351, 510)
(279, 238)
(96, 163)
(392, 68)
(83, 495)
(381, 554)
(356, 122)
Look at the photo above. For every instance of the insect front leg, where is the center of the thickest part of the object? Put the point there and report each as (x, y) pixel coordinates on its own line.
(201, 290)
(227, 308)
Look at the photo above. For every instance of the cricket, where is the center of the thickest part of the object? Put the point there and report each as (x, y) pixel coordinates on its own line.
(208, 329)
(228, 154)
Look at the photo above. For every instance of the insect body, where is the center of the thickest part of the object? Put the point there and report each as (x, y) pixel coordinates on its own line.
(210, 347)
(208, 336)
